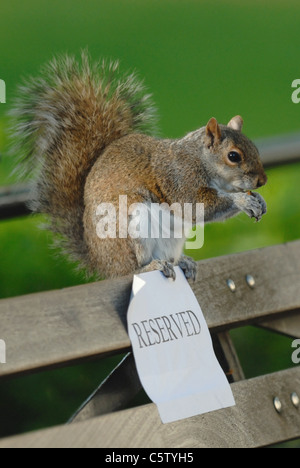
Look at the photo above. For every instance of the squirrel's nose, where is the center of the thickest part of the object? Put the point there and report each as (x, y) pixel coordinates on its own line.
(262, 180)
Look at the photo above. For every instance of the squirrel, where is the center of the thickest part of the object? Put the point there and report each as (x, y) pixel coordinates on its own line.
(84, 133)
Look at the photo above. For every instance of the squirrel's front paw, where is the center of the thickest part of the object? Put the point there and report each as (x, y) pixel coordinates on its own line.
(261, 200)
(251, 203)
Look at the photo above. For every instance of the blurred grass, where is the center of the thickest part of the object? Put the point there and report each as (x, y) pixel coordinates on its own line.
(199, 59)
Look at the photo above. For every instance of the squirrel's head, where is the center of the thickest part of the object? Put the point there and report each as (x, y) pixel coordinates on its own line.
(234, 160)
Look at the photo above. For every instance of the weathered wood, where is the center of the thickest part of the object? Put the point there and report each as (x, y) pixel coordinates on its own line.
(281, 149)
(71, 325)
(253, 422)
(114, 394)
(234, 368)
(288, 325)
(14, 201)
(66, 326)
(276, 271)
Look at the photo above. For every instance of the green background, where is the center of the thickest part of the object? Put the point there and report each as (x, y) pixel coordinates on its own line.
(199, 59)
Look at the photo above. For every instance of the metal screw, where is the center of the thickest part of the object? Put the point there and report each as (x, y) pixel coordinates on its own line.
(250, 281)
(295, 399)
(231, 285)
(277, 404)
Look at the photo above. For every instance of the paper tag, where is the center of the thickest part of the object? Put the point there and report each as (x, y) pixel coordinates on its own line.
(173, 349)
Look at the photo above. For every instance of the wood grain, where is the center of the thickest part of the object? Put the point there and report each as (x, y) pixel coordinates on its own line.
(253, 422)
(61, 327)
(281, 149)
(288, 326)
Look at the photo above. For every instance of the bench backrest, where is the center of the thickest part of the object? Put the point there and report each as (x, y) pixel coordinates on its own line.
(267, 409)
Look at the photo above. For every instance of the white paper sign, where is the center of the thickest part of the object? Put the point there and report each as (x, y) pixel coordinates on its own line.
(173, 348)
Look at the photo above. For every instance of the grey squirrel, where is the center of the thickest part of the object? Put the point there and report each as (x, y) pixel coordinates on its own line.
(84, 133)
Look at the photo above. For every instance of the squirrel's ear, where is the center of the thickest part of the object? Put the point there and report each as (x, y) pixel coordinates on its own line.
(236, 123)
(213, 132)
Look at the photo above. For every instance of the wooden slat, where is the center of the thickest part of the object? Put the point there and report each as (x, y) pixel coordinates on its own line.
(276, 271)
(234, 368)
(274, 151)
(66, 326)
(253, 422)
(288, 326)
(281, 149)
(13, 201)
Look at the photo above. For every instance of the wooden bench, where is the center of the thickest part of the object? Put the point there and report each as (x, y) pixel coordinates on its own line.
(89, 321)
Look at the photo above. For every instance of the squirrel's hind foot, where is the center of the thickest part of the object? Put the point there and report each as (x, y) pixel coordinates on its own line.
(187, 264)
(164, 266)
(189, 267)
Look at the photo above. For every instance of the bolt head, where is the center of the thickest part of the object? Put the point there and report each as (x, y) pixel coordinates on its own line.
(295, 399)
(277, 404)
(231, 285)
(250, 281)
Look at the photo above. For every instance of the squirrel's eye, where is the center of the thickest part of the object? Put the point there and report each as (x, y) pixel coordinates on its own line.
(234, 157)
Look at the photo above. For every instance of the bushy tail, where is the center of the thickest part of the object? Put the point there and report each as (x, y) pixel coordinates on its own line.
(63, 120)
